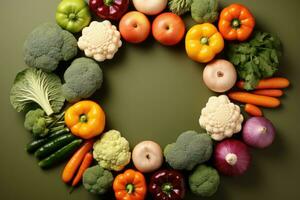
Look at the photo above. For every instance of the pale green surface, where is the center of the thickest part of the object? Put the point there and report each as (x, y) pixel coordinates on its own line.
(152, 92)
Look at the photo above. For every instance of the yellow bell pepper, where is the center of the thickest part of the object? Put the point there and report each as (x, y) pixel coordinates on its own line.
(85, 119)
(203, 42)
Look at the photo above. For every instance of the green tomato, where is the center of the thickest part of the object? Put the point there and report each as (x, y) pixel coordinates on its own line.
(73, 15)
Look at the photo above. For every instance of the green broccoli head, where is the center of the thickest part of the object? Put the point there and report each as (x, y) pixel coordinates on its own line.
(37, 122)
(97, 180)
(40, 129)
(82, 79)
(204, 181)
(204, 11)
(47, 45)
(189, 150)
(31, 118)
(179, 7)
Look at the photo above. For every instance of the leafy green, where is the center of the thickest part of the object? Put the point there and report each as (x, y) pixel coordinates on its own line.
(33, 86)
(256, 59)
(179, 7)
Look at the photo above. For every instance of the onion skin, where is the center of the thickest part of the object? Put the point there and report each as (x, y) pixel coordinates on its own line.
(258, 132)
(235, 149)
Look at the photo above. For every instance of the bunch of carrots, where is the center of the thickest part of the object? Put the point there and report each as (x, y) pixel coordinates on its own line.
(266, 94)
(79, 162)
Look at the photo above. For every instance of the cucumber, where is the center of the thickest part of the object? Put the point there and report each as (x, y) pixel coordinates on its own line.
(61, 154)
(36, 144)
(54, 145)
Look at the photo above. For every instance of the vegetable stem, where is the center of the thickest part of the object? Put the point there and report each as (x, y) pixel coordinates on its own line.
(231, 159)
(236, 23)
(130, 188)
(167, 188)
(204, 40)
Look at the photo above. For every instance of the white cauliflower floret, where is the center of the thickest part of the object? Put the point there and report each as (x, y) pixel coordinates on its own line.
(100, 40)
(221, 118)
(112, 151)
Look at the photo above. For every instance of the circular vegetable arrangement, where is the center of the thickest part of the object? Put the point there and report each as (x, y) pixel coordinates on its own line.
(76, 131)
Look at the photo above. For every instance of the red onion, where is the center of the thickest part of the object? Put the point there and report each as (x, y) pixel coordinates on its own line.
(232, 157)
(258, 132)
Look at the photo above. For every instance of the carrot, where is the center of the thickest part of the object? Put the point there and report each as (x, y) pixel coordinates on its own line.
(270, 83)
(253, 110)
(269, 92)
(258, 100)
(87, 161)
(75, 161)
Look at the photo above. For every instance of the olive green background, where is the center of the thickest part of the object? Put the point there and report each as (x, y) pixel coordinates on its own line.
(152, 92)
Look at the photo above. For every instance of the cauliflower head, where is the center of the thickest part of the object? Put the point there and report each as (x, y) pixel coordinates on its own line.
(82, 78)
(47, 45)
(112, 151)
(190, 149)
(221, 118)
(100, 40)
(97, 180)
(204, 181)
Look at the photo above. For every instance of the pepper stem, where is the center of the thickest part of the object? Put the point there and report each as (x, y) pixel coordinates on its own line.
(83, 118)
(129, 188)
(72, 16)
(167, 188)
(108, 2)
(236, 23)
(204, 40)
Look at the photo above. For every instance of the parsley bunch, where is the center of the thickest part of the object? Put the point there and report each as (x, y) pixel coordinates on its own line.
(256, 59)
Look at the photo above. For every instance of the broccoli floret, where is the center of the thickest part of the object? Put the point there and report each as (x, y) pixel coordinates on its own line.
(82, 79)
(204, 181)
(39, 124)
(97, 180)
(204, 11)
(189, 150)
(47, 45)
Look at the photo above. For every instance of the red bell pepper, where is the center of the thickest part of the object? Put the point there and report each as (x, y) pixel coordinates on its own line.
(109, 9)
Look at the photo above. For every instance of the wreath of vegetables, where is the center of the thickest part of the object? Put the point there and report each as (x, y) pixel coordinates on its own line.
(77, 131)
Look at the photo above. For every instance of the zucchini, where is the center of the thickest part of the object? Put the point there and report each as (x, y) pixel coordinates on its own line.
(61, 154)
(36, 144)
(54, 145)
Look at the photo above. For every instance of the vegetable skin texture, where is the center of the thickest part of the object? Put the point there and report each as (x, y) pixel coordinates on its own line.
(253, 110)
(190, 149)
(221, 118)
(47, 45)
(269, 83)
(203, 11)
(75, 161)
(97, 180)
(85, 119)
(82, 78)
(33, 86)
(112, 151)
(86, 163)
(236, 22)
(256, 59)
(204, 181)
(180, 7)
(131, 185)
(258, 100)
(100, 40)
(60, 155)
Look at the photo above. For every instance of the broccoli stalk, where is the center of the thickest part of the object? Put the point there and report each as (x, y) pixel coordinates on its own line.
(40, 125)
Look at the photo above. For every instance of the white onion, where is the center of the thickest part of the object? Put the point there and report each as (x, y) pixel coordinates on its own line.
(232, 157)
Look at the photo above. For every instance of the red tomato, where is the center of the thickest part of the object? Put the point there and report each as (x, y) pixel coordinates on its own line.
(134, 27)
(168, 28)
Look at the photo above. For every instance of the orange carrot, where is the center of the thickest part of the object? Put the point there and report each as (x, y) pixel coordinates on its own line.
(75, 161)
(87, 161)
(269, 92)
(270, 83)
(258, 100)
(253, 110)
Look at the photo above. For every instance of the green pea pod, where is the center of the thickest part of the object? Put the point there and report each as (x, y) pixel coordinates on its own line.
(53, 146)
(61, 155)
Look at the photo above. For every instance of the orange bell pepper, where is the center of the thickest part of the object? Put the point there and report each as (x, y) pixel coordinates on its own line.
(203, 42)
(236, 22)
(130, 185)
(85, 119)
